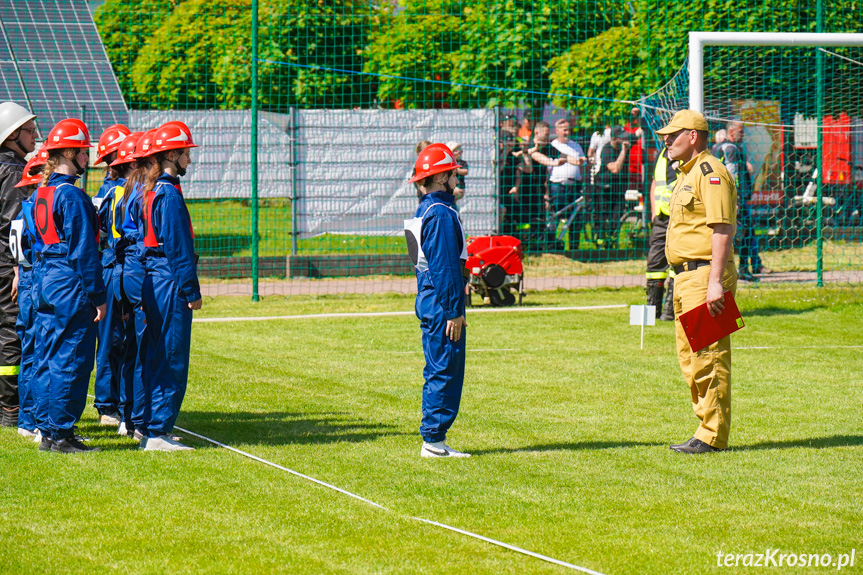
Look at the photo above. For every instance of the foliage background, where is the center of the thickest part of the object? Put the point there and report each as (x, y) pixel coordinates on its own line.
(195, 54)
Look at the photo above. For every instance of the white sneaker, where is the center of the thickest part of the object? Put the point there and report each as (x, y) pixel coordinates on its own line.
(440, 449)
(123, 431)
(138, 436)
(27, 433)
(163, 443)
(111, 419)
(38, 437)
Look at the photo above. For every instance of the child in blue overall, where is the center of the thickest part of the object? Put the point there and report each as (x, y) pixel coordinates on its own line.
(171, 291)
(437, 248)
(131, 246)
(69, 294)
(23, 241)
(110, 331)
(121, 359)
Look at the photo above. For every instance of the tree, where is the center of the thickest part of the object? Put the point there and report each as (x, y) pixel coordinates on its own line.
(200, 56)
(125, 26)
(626, 63)
(502, 44)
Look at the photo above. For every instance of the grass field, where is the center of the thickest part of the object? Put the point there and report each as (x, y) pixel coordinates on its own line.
(569, 423)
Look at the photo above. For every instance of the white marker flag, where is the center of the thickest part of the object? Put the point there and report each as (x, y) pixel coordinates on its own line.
(642, 315)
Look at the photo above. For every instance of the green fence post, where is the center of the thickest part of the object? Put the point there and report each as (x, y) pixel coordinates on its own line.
(292, 160)
(254, 143)
(819, 162)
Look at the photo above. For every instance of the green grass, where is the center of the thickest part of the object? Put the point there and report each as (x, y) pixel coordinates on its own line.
(569, 434)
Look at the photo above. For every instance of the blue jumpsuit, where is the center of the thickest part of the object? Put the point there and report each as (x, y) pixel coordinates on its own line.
(109, 353)
(440, 297)
(67, 287)
(26, 323)
(131, 245)
(170, 285)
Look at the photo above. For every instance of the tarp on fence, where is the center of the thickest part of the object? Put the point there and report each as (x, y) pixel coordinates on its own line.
(347, 169)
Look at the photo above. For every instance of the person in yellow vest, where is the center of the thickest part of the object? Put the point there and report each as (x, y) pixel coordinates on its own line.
(701, 227)
(664, 177)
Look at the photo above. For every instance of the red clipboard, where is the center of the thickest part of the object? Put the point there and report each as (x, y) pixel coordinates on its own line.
(703, 329)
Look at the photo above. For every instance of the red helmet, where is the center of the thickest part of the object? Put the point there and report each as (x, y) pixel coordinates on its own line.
(126, 150)
(144, 146)
(172, 136)
(434, 159)
(110, 140)
(37, 160)
(68, 133)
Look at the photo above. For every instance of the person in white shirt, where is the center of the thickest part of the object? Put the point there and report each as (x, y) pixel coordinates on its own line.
(564, 158)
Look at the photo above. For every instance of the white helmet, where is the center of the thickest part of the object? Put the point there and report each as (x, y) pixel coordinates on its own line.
(12, 117)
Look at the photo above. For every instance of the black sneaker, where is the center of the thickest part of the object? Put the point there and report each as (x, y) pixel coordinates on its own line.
(72, 445)
(46, 444)
(695, 446)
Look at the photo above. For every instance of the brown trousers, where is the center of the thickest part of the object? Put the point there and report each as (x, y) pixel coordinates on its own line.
(706, 371)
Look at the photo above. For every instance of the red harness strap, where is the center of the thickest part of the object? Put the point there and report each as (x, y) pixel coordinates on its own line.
(44, 215)
(147, 219)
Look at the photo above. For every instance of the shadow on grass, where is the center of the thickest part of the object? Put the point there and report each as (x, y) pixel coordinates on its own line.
(281, 428)
(772, 311)
(577, 446)
(811, 442)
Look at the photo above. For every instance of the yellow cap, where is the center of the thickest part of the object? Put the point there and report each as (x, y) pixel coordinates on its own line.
(684, 120)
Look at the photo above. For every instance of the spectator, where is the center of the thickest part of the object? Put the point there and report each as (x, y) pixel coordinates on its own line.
(564, 157)
(526, 130)
(512, 163)
(733, 155)
(720, 137)
(419, 148)
(635, 129)
(607, 195)
(460, 173)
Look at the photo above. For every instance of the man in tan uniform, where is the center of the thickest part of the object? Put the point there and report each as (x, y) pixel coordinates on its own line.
(698, 246)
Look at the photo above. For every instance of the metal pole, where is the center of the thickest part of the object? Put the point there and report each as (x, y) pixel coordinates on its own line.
(497, 165)
(254, 143)
(292, 161)
(819, 163)
(84, 175)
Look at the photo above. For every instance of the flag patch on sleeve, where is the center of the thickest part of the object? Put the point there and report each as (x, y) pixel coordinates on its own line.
(715, 181)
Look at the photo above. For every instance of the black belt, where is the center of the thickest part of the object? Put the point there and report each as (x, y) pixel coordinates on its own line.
(690, 266)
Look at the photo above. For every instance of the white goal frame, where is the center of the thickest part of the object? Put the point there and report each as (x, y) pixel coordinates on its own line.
(698, 40)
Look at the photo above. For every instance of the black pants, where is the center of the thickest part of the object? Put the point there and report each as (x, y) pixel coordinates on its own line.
(10, 345)
(657, 265)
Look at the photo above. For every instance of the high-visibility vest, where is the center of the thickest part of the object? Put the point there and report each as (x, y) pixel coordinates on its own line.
(663, 189)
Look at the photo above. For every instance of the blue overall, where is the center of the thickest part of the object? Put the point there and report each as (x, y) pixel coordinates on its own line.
(109, 353)
(25, 325)
(440, 297)
(170, 285)
(67, 286)
(133, 273)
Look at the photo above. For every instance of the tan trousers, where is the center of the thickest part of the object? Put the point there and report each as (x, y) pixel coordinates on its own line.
(706, 371)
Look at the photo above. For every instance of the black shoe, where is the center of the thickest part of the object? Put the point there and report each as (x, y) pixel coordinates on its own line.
(72, 445)
(747, 277)
(47, 443)
(694, 446)
(9, 417)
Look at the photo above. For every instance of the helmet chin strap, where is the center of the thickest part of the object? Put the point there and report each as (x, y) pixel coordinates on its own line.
(79, 169)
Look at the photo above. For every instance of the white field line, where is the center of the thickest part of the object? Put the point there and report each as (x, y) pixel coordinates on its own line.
(381, 507)
(803, 347)
(470, 312)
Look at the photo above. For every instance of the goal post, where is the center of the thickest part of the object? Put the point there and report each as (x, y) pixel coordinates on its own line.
(698, 40)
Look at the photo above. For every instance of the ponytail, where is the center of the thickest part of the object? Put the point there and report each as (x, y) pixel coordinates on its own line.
(53, 161)
(153, 173)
